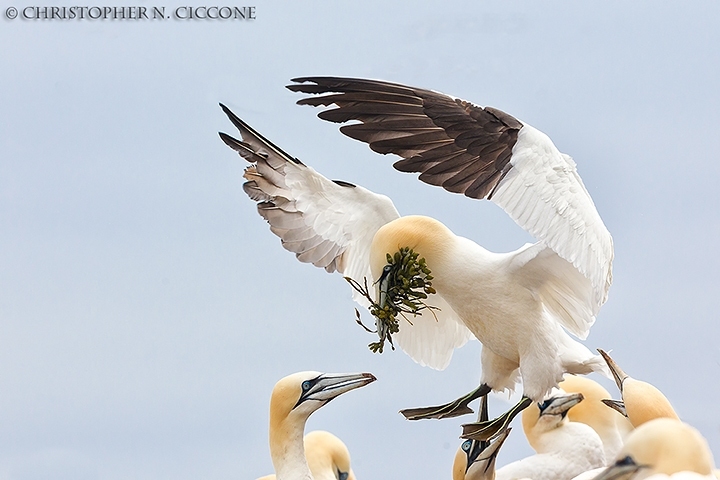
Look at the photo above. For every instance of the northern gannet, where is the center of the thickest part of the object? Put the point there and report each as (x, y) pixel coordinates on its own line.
(518, 304)
(564, 448)
(609, 424)
(327, 456)
(641, 401)
(294, 398)
(660, 449)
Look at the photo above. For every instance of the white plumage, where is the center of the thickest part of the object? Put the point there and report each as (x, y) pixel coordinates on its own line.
(661, 449)
(518, 304)
(564, 449)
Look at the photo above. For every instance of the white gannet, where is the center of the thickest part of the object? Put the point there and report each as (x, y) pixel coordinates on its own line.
(564, 448)
(327, 456)
(294, 398)
(518, 304)
(609, 424)
(660, 449)
(641, 401)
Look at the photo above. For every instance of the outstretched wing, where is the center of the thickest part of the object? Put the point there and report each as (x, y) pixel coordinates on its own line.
(479, 152)
(331, 224)
(327, 223)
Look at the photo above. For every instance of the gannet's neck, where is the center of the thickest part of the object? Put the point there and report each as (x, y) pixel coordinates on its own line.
(287, 449)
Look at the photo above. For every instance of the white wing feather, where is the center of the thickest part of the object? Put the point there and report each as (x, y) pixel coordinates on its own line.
(544, 194)
(331, 225)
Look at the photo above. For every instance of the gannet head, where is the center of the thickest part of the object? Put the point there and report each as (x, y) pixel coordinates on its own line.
(293, 400)
(642, 401)
(610, 425)
(300, 394)
(327, 453)
(425, 235)
(548, 415)
(475, 460)
(661, 446)
(591, 411)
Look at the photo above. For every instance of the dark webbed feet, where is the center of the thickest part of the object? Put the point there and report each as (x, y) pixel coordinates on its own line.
(485, 430)
(453, 409)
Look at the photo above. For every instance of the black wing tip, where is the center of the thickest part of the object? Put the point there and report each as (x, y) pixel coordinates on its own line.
(229, 141)
(343, 183)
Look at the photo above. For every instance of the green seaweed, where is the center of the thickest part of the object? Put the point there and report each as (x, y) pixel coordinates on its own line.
(405, 283)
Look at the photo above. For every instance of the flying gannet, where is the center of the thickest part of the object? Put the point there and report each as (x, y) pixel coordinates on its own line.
(518, 304)
(564, 448)
(663, 448)
(641, 401)
(327, 456)
(610, 425)
(294, 398)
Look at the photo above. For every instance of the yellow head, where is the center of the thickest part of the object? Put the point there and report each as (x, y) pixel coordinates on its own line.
(664, 446)
(643, 401)
(425, 235)
(327, 453)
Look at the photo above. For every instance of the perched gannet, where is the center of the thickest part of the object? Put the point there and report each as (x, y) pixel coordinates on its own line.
(518, 304)
(293, 400)
(610, 425)
(641, 401)
(564, 448)
(327, 456)
(662, 448)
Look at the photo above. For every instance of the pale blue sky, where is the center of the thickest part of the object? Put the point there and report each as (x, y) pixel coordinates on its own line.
(146, 310)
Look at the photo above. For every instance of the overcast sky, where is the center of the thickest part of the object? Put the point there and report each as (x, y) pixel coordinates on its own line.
(146, 310)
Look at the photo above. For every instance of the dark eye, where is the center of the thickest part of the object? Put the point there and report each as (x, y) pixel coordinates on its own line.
(626, 461)
(306, 385)
(544, 405)
(466, 445)
(342, 475)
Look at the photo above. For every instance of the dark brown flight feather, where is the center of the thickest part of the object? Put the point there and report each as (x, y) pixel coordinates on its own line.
(452, 143)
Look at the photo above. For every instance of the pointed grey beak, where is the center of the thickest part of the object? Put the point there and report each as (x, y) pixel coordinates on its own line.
(560, 404)
(623, 469)
(330, 385)
(616, 371)
(483, 466)
(618, 405)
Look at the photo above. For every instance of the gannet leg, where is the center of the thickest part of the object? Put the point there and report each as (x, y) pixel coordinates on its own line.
(485, 430)
(453, 409)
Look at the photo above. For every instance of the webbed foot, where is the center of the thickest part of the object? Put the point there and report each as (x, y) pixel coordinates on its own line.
(485, 430)
(453, 409)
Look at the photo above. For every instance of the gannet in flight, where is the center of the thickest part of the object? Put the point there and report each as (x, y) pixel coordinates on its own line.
(327, 456)
(610, 425)
(641, 401)
(518, 304)
(564, 448)
(663, 448)
(294, 398)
